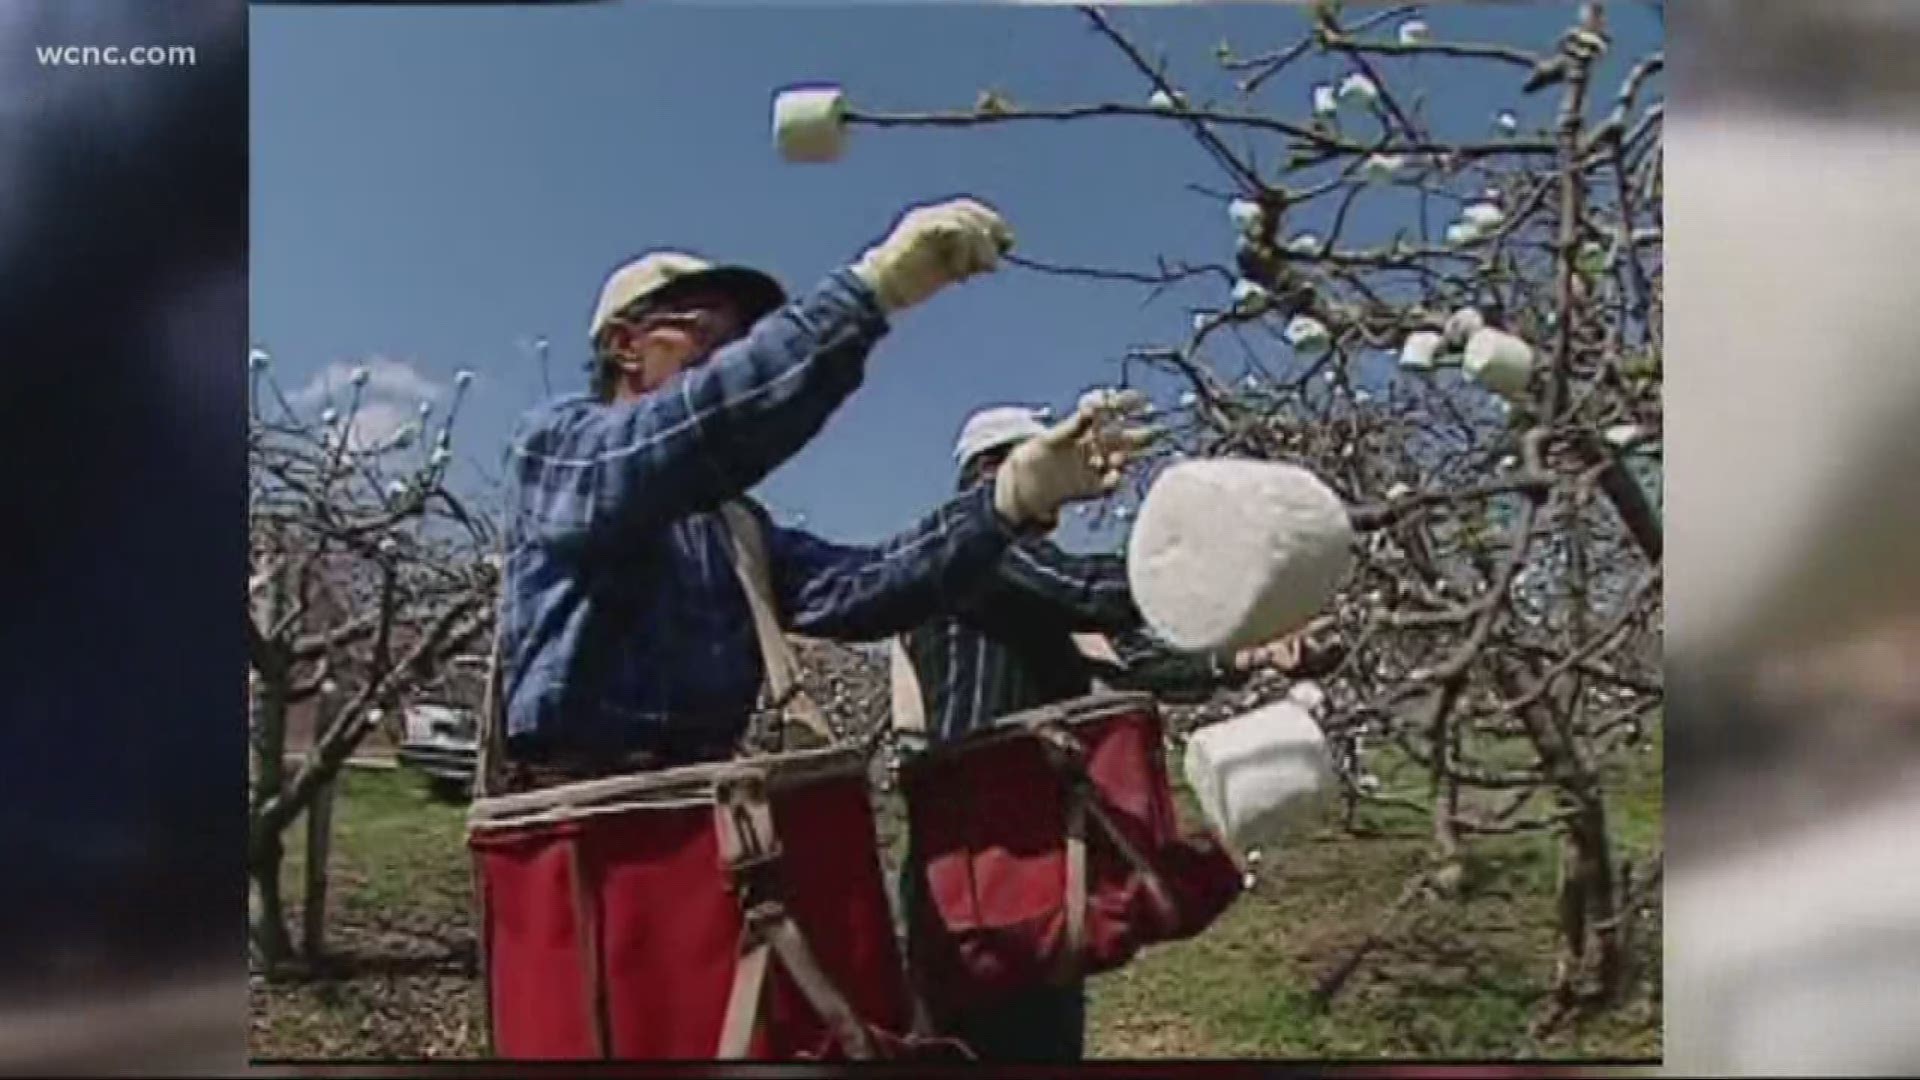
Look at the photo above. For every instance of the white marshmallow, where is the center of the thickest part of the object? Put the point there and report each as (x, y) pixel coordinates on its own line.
(1418, 352)
(809, 123)
(1263, 776)
(1499, 361)
(1591, 258)
(1308, 335)
(1622, 434)
(1231, 553)
(1483, 216)
(1463, 324)
(1382, 166)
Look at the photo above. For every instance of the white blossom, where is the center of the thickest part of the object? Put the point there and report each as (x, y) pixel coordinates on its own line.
(441, 456)
(1398, 491)
(328, 416)
(1249, 295)
(1304, 244)
(1325, 103)
(463, 378)
(1189, 399)
(1358, 88)
(1461, 232)
(426, 409)
(1166, 102)
(1413, 32)
(1246, 216)
(397, 488)
(1506, 121)
(359, 376)
(257, 359)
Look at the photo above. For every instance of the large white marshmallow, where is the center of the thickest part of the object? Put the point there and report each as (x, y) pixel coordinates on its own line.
(1229, 553)
(810, 124)
(1463, 324)
(1263, 776)
(1419, 350)
(1498, 361)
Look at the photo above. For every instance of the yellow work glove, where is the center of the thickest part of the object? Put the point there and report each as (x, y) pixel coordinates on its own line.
(932, 247)
(1081, 457)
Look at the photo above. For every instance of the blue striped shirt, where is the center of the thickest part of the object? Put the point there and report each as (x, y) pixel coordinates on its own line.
(623, 625)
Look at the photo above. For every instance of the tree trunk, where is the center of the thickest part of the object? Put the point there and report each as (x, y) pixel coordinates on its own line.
(319, 841)
(270, 938)
(1592, 850)
(269, 731)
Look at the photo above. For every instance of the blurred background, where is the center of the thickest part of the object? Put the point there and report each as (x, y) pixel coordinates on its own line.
(1793, 918)
(1793, 901)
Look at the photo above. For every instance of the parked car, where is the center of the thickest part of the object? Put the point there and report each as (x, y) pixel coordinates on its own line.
(442, 742)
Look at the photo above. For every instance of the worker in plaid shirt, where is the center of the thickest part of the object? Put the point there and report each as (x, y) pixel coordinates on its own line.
(626, 641)
(1009, 644)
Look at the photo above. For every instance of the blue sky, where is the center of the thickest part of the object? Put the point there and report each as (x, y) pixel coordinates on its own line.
(433, 186)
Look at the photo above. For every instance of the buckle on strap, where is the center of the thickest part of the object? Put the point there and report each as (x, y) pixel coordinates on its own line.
(1063, 751)
(749, 846)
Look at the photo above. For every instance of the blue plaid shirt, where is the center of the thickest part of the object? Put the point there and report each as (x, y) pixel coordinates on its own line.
(624, 627)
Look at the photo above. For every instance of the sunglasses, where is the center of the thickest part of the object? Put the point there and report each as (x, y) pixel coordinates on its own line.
(710, 319)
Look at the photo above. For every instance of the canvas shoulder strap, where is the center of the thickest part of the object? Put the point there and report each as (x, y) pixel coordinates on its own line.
(489, 773)
(751, 564)
(909, 705)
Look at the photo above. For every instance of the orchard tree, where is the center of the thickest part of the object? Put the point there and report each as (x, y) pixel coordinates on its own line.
(1479, 380)
(368, 576)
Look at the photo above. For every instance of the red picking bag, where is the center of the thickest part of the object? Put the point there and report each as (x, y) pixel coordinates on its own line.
(1049, 848)
(729, 910)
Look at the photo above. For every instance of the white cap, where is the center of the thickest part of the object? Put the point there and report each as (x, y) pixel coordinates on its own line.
(655, 272)
(990, 429)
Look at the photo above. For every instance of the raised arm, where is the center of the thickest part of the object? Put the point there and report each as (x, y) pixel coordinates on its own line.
(859, 593)
(590, 473)
(1089, 592)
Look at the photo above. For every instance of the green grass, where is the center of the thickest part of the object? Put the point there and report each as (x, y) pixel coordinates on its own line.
(1461, 977)
(393, 845)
